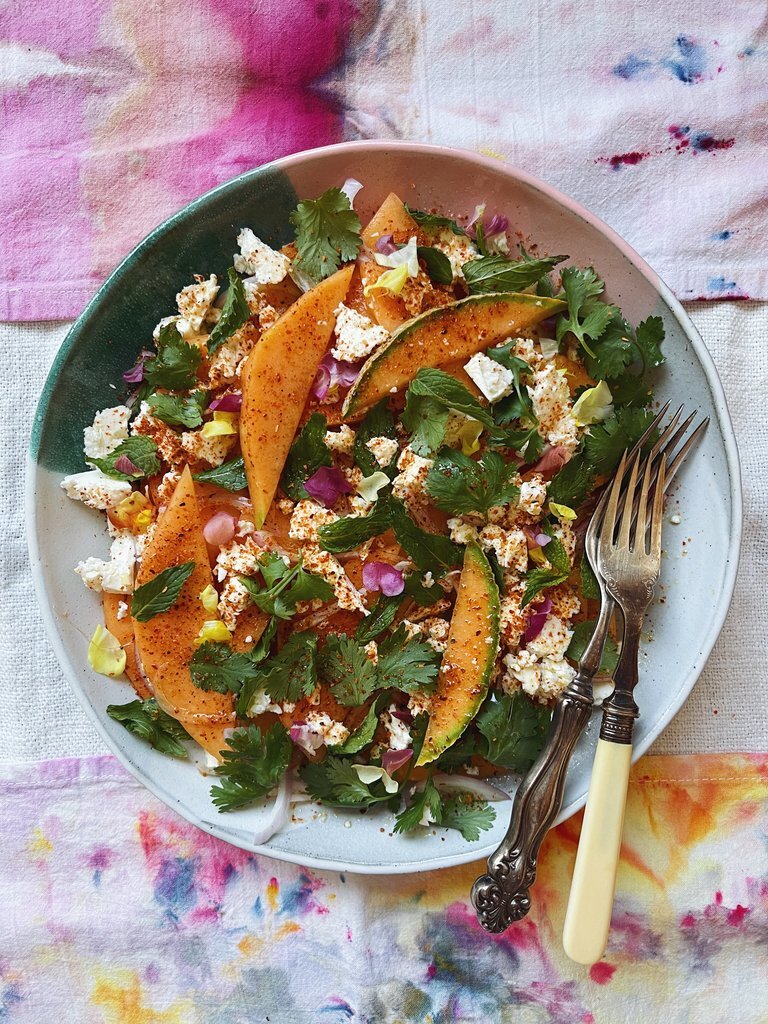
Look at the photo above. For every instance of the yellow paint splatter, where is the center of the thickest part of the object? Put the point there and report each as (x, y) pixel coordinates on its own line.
(492, 153)
(119, 993)
(39, 845)
(272, 890)
(249, 945)
(287, 929)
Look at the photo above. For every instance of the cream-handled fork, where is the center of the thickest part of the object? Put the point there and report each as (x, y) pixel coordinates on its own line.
(629, 565)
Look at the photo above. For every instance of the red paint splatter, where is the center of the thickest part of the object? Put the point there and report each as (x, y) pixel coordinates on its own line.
(688, 921)
(737, 915)
(431, 971)
(602, 973)
(718, 898)
(349, 934)
(707, 143)
(623, 159)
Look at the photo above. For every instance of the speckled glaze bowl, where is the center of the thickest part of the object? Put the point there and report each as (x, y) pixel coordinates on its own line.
(698, 576)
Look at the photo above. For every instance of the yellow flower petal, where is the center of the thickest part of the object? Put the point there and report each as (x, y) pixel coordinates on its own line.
(127, 511)
(222, 425)
(105, 655)
(562, 511)
(369, 486)
(215, 631)
(593, 405)
(143, 520)
(390, 281)
(536, 555)
(209, 599)
(368, 773)
(469, 435)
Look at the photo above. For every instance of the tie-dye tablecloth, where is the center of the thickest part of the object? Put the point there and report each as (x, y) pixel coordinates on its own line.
(116, 113)
(115, 911)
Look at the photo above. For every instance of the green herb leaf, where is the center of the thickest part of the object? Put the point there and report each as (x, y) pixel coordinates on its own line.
(408, 665)
(335, 782)
(174, 368)
(589, 584)
(229, 475)
(426, 799)
(504, 355)
(458, 484)
(145, 718)
(582, 634)
(541, 579)
(461, 752)
(351, 531)
(425, 419)
(179, 410)
(215, 666)
(528, 442)
(555, 553)
(430, 552)
(327, 233)
(648, 339)
(251, 766)
(364, 733)
(448, 392)
(587, 316)
(468, 815)
(500, 274)
(437, 263)
(382, 616)
(572, 483)
(514, 728)
(606, 442)
(234, 313)
(378, 422)
(160, 593)
(434, 222)
(142, 451)
(285, 587)
(421, 594)
(349, 672)
(608, 357)
(292, 673)
(631, 389)
(308, 453)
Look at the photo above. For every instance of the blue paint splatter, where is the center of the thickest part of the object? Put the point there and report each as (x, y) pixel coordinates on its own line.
(175, 886)
(705, 142)
(258, 909)
(748, 51)
(297, 899)
(10, 997)
(720, 284)
(632, 67)
(721, 236)
(340, 1007)
(689, 63)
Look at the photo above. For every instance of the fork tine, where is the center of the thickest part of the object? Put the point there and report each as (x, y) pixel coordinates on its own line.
(609, 520)
(668, 445)
(641, 523)
(663, 440)
(651, 427)
(658, 509)
(629, 504)
(677, 461)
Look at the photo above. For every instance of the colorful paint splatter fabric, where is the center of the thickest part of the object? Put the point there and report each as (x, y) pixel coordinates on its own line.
(115, 911)
(648, 111)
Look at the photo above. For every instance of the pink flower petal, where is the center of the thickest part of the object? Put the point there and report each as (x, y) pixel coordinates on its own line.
(304, 737)
(536, 538)
(385, 245)
(384, 577)
(394, 759)
(227, 403)
(552, 461)
(127, 466)
(537, 620)
(332, 371)
(136, 373)
(220, 529)
(327, 485)
(403, 715)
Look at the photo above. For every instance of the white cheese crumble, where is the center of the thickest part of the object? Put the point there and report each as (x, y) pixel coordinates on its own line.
(95, 489)
(461, 532)
(322, 563)
(321, 724)
(110, 427)
(383, 449)
(261, 702)
(116, 575)
(307, 519)
(542, 679)
(341, 441)
(553, 640)
(408, 485)
(552, 406)
(122, 611)
(398, 733)
(356, 335)
(257, 259)
(196, 299)
(511, 546)
(533, 494)
(211, 450)
(494, 380)
(458, 248)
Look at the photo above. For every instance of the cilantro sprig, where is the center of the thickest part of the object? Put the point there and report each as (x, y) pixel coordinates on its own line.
(514, 729)
(335, 782)
(327, 233)
(251, 766)
(307, 454)
(462, 812)
(179, 410)
(459, 484)
(284, 587)
(582, 634)
(174, 368)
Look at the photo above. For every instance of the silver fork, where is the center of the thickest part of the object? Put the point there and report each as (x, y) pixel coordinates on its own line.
(502, 895)
(629, 563)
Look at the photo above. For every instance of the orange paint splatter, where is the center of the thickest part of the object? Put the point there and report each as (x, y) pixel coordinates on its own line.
(289, 928)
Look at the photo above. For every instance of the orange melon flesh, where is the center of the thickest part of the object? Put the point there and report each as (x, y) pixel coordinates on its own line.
(391, 218)
(465, 672)
(165, 643)
(122, 630)
(276, 381)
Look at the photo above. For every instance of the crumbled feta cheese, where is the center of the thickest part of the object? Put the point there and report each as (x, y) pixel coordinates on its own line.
(513, 619)
(321, 724)
(168, 444)
(324, 564)
(96, 489)
(233, 599)
(307, 519)
(356, 335)
(383, 449)
(260, 703)
(256, 258)
(565, 601)
(398, 732)
(511, 546)
(286, 506)
(544, 680)
(196, 299)
(533, 494)
(226, 362)
(436, 631)
(372, 652)
(239, 559)
(167, 486)
(408, 485)
(552, 406)
(340, 441)
(183, 326)
(494, 380)
(458, 248)
(419, 704)
(428, 580)
(211, 450)
(553, 640)
(461, 532)
(110, 427)
(122, 611)
(116, 575)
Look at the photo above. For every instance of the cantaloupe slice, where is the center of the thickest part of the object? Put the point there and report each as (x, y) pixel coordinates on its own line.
(276, 381)
(165, 643)
(445, 335)
(122, 630)
(467, 665)
(391, 218)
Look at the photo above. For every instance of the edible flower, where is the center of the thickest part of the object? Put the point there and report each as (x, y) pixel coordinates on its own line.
(209, 599)
(368, 773)
(306, 738)
(549, 347)
(136, 373)
(105, 655)
(127, 466)
(369, 486)
(214, 630)
(393, 759)
(143, 520)
(593, 405)
(390, 281)
(537, 620)
(350, 188)
(326, 485)
(126, 513)
(385, 244)
(222, 425)
(408, 255)
(536, 538)
(384, 577)
(332, 371)
(469, 435)
(220, 529)
(232, 402)
(562, 511)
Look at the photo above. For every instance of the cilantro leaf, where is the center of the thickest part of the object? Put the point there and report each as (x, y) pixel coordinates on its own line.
(527, 442)
(572, 483)
(608, 357)
(407, 665)
(426, 802)
(350, 531)
(327, 233)
(378, 422)
(514, 729)
(292, 673)
(215, 666)
(161, 592)
(142, 452)
(174, 368)
(430, 552)
(335, 782)
(145, 718)
(504, 355)
(582, 634)
(631, 389)
(434, 222)
(308, 453)
(437, 264)
(382, 616)
(347, 669)
(468, 815)
(501, 274)
(363, 735)
(426, 420)
(648, 338)
(285, 587)
(234, 313)
(589, 585)
(458, 484)
(229, 475)
(587, 316)
(606, 442)
(252, 765)
(179, 410)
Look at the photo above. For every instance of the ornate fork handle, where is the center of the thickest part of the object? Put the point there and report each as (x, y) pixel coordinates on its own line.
(502, 895)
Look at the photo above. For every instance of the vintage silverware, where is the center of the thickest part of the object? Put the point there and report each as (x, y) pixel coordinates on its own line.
(502, 895)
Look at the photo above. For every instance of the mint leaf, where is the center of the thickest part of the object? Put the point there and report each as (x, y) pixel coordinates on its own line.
(335, 782)
(215, 666)
(351, 531)
(161, 592)
(606, 442)
(234, 313)
(527, 442)
(308, 453)
(556, 554)
(426, 799)
(437, 264)
(523, 405)
(347, 669)
(174, 368)
(292, 673)
(430, 552)
(501, 274)
(467, 815)
(434, 222)
(327, 233)
(229, 475)
(408, 665)
(145, 718)
(383, 614)
(582, 634)
(450, 393)
(541, 579)
(458, 484)
(378, 422)
(648, 338)
(142, 452)
(571, 485)
(251, 766)
(179, 410)
(514, 729)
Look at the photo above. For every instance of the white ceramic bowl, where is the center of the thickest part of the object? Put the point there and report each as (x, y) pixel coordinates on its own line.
(701, 553)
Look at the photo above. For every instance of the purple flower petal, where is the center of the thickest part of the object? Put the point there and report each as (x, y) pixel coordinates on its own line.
(327, 485)
(535, 537)
(403, 715)
(227, 403)
(537, 620)
(385, 245)
(496, 225)
(127, 466)
(322, 382)
(384, 577)
(394, 759)
(303, 737)
(332, 371)
(136, 373)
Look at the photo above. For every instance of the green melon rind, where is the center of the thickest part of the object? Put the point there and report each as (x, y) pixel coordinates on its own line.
(476, 690)
(356, 401)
